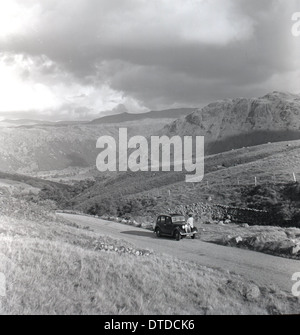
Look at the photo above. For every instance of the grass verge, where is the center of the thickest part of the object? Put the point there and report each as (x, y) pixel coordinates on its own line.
(52, 267)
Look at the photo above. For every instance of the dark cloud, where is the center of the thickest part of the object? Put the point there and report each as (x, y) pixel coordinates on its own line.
(157, 54)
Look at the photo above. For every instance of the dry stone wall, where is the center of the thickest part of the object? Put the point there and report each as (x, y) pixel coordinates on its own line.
(223, 213)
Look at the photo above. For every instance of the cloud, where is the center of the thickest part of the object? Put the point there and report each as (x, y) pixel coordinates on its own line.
(77, 58)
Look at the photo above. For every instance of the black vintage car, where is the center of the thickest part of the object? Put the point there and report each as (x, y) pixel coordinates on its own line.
(173, 225)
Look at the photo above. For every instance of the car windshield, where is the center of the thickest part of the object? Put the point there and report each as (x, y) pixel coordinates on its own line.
(178, 219)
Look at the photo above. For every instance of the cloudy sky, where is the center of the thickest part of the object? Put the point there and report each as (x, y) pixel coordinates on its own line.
(75, 59)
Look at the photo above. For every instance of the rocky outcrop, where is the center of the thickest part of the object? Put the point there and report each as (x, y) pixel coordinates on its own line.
(101, 246)
(231, 124)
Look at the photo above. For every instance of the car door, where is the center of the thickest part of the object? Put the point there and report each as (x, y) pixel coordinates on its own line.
(162, 224)
(169, 225)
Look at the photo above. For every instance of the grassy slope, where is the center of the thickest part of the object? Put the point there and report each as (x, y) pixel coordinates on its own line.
(31, 181)
(151, 190)
(276, 241)
(54, 268)
(223, 172)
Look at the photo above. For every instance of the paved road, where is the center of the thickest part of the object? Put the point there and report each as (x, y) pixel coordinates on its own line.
(260, 268)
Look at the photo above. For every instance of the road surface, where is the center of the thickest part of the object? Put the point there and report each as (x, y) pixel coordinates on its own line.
(262, 269)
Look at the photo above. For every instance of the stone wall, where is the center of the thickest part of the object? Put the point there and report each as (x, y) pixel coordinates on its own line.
(222, 213)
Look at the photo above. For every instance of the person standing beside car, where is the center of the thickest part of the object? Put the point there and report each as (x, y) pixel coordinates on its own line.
(189, 223)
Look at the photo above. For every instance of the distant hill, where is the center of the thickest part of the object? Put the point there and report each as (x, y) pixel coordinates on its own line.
(235, 123)
(21, 122)
(171, 114)
(31, 123)
(127, 117)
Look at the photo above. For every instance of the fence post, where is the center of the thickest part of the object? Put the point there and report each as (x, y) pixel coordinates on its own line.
(255, 181)
(294, 176)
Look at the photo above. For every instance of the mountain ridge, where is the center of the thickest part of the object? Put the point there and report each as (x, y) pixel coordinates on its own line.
(122, 117)
(226, 124)
(254, 121)
(125, 116)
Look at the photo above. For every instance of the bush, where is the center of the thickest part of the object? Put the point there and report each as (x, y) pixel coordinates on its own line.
(282, 201)
(122, 206)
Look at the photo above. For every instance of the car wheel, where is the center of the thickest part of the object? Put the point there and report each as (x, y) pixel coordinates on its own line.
(193, 237)
(158, 232)
(177, 236)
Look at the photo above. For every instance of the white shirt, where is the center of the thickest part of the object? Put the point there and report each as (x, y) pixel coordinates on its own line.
(190, 222)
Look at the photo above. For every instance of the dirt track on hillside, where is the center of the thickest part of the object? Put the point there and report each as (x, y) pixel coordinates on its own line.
(262, 269)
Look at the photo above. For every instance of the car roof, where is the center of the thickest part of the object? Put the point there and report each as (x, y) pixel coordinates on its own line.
(171, 215)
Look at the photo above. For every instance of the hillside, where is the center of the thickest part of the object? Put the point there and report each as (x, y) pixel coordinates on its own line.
(236, 123)
(34, 149)
(40, 190)
(226, 125)
(270, 166)
(227, 175)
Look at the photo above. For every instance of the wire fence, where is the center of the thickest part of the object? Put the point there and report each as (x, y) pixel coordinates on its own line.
(244, 180)
(210, 182)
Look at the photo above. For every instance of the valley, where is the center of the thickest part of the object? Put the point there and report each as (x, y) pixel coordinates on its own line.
(48, 169)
